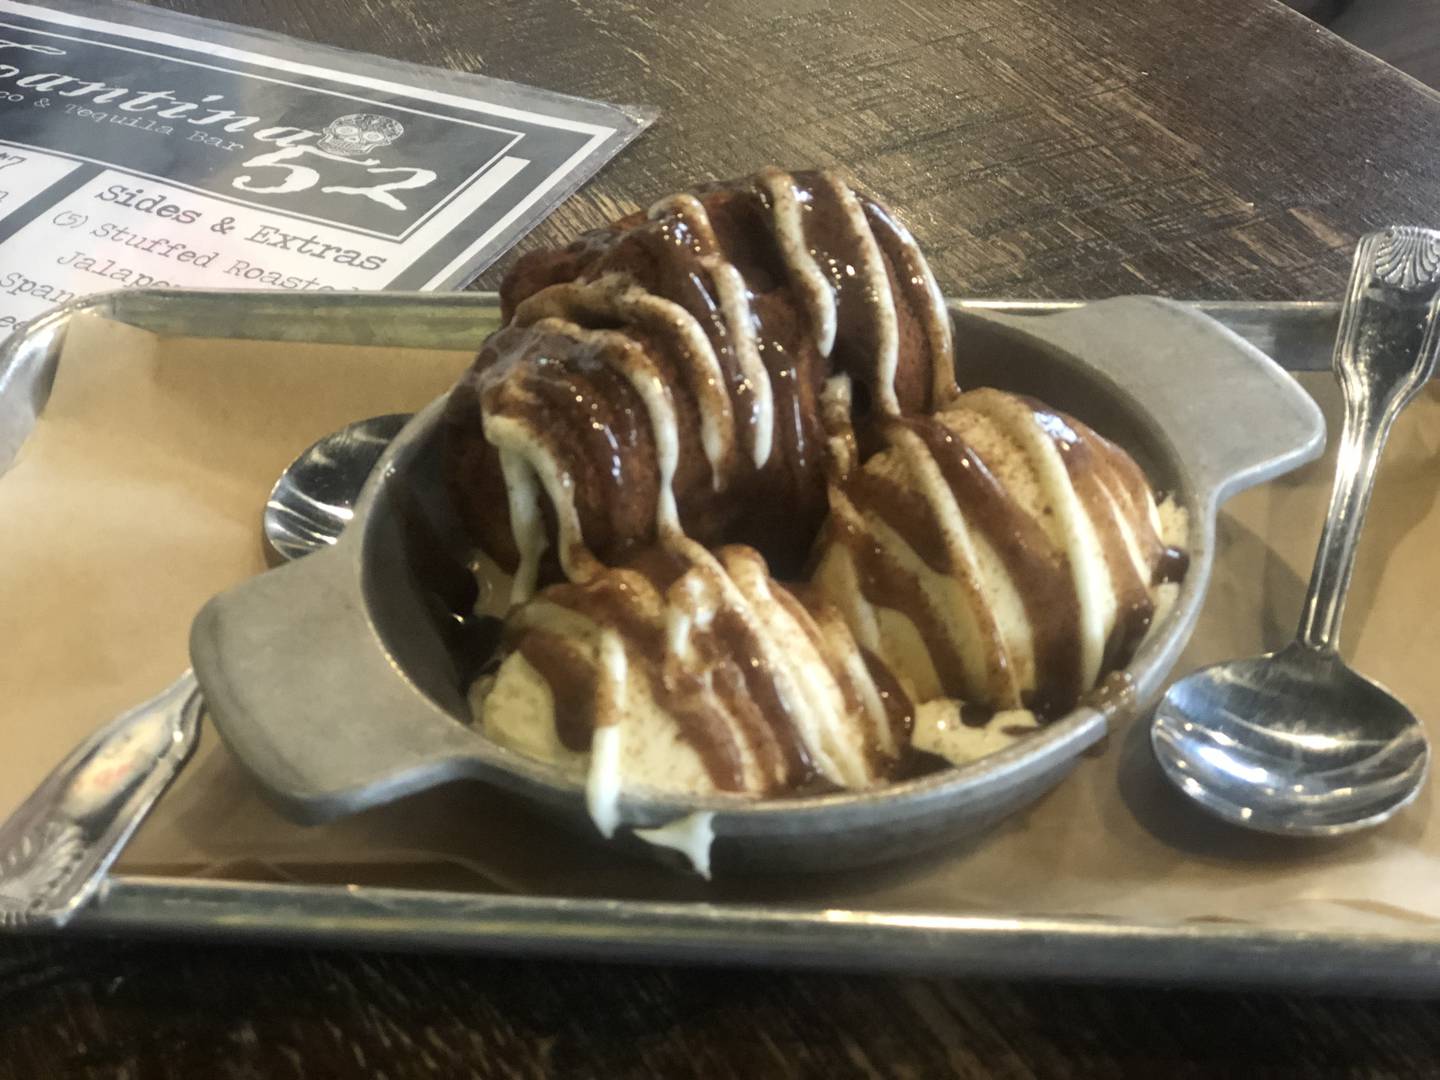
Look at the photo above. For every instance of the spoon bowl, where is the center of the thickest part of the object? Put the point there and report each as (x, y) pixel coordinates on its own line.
(1294, 742)
(314, 499)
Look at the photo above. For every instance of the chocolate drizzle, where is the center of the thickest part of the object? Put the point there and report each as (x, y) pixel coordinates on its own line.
(899, 709)
(740, 301)
(572, 683)
(1104, 480)
(975, 716)
(657, 393)
(886, 583)
(917, 524)
(1171, 567)
(713, 640)
(904, 510)
(1037, 568)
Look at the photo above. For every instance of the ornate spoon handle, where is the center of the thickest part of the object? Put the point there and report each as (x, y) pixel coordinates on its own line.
(1386, 349)
(55, 849)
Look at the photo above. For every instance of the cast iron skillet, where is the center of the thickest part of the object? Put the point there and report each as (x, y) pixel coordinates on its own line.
(331, 681)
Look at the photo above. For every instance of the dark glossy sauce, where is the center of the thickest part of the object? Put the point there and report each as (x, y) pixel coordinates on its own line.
(844, 258)
(572, 681)
(975, 716)
(448, 590)
(1085, 455)
(1039, 571)
(887, 584)
(673, 254)
(905, 511)
(899, 709)
(1172, 566)
(578, 405)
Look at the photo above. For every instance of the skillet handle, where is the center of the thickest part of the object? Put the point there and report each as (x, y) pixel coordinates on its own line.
(1235, 417)
(359, 734)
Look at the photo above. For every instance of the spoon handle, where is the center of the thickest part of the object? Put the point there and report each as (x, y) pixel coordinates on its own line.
(56, 848)
(1384, 354)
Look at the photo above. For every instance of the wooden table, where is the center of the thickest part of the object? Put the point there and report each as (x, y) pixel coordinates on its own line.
(1040, 148)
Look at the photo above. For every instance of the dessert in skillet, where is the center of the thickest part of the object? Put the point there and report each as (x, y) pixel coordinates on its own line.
(759, 540)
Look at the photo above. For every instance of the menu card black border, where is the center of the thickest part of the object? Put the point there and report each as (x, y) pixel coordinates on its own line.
(456, 95)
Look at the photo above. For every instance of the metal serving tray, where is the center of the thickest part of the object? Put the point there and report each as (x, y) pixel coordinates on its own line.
(1298, 335)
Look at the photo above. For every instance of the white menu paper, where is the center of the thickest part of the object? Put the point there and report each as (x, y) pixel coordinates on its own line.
(139, 148)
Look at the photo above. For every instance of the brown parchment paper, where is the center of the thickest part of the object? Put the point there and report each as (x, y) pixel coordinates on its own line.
(139, 493)
(138, 496)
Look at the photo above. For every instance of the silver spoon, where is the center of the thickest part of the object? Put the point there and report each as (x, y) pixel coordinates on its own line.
(314, 499)
(1295, 742)
(56, 848)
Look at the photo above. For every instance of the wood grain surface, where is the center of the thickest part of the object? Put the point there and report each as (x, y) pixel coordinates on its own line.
(1405, 33)
(140, 1010)
(1038, 148)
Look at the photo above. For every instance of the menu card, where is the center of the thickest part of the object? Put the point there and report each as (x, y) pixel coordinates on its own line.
(140, 148)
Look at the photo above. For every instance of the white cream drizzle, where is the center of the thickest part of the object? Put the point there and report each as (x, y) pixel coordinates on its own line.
(877, 291)
(527, 462)
(835, 417)
(1088, 568)
(603, 782)
(617, 297)
(526, 523)
(515, 441)
(685, 606)
(733, 297)
(925, 473)
(692, 836)
(807, 277)
(837, 645)
(940, 331)
(875, 711)
(692, 211)
(660, 404)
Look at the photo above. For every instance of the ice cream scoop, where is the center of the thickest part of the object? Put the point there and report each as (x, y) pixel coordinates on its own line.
(690, 671)
(998, 552)
(667, 372)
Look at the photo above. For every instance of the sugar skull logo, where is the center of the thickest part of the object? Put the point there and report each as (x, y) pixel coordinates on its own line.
(359, 133)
